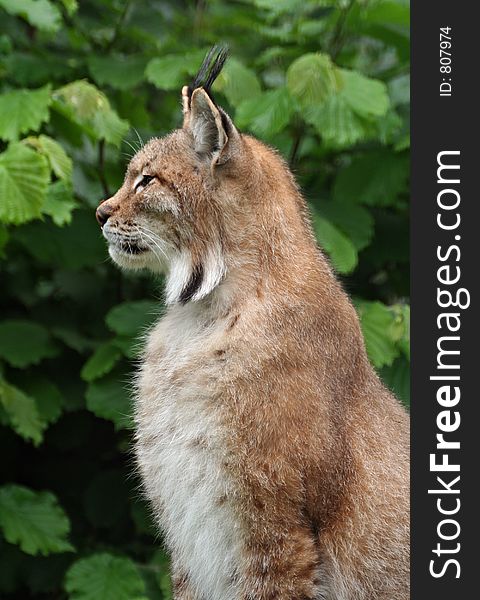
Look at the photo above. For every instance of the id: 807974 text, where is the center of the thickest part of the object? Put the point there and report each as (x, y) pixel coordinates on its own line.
(445, 62)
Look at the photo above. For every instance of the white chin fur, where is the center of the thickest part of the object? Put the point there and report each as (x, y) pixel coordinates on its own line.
(145, 260)
(214, 271)
(179, 270)
(180, 273)
(178, 276)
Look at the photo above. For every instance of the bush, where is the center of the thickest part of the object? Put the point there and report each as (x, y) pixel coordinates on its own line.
(324, 81)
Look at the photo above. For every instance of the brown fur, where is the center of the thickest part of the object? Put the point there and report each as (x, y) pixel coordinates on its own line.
(312, 445)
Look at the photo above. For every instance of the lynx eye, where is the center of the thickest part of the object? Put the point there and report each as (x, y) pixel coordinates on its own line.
(143, 181)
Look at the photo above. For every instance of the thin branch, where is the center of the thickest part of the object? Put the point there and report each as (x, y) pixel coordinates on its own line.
(297, 141)
(101, 168)
(118, 26)
(336, 42)
(75, 25)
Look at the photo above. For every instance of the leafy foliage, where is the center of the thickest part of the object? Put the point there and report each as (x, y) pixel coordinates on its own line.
(341, 250)
(109, 398)
(89, 108)
(21, 412)
(23, 343)
(129, 318)
(266, 114)
(101, 361)
(82, 84)
(60, 162)
(104, 576)
(22, 111)
(33, 520)
(312, 78)
(24, 180)
(42, 14)
(170, 72)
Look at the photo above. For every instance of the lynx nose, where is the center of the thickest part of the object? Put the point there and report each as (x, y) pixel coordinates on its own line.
(102, 213)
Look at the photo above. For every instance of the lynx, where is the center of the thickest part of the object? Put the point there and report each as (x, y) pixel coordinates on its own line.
(275, 461)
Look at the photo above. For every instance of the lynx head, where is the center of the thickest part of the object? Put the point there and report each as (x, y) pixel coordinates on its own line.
(190, 197)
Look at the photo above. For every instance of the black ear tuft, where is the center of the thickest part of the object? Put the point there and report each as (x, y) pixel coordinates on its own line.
(209, 70)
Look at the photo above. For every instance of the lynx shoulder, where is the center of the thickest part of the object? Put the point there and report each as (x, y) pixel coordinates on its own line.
(274, 459)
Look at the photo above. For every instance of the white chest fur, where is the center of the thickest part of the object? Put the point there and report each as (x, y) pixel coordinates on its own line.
(181, 454)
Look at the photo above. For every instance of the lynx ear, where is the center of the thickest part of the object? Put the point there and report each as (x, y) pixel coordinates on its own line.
(205, 123)
(214, 135)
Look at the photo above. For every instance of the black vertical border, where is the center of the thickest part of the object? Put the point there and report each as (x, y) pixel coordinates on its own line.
(442, 123)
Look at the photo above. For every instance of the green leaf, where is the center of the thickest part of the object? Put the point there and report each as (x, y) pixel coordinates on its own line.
(340, 249)
(22, 412)
(167, 72)
(390, 127)
(87, 106)
(397, 378)
(24, 177)
(60, 162)
(104, 577)
(108, 398)
(119, 71)
(132, 318)
(374, 179)
(388, 11)
(22, 111)
(59, 203)
(377, 322)
(312, 78)
(266, 114)
(353, 220)
(349, 113)
(367, 97)
(33, 520)
(336, 122)
(39, 13)
(101, 362)
(237, 82)
(30, 70)
(171, 72)
(48, 398)
(24, 343)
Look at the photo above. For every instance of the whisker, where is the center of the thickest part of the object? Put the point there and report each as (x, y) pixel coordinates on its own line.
(154, 237)
(155, 243)
(148, 231)
(142, 143)
(135, 150)
(155, 253)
